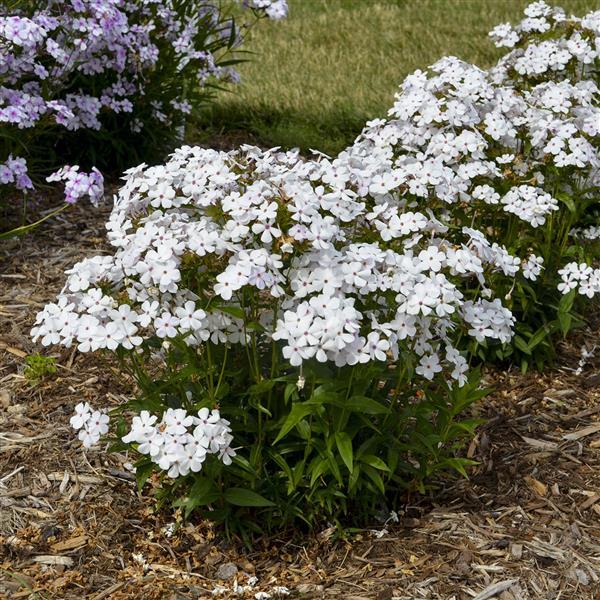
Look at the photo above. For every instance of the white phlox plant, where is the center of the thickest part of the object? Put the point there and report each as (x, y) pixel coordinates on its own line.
(335, 272)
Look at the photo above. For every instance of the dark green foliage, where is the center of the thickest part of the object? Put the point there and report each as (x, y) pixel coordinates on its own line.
(346, 444)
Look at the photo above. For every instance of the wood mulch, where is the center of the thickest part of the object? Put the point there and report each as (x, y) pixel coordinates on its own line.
(526, 525)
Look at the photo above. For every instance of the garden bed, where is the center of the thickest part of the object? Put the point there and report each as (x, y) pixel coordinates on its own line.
(72, 525)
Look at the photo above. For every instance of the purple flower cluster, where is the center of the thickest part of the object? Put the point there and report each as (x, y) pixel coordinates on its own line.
(75, 64)
(78, 184)
(14, 171)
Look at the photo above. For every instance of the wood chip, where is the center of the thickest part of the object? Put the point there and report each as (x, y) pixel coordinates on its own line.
(109, 591)
(40, 514)
(577, 435)
(81, 478)
(495, 589)
(49, 559)
(545, 550)
(516, 551)
(543, 444)
(70, 544)
(13, 350)
(541, 489)
(590, 502)
(64, 482)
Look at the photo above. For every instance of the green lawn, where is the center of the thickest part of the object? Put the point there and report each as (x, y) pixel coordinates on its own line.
(315, 78)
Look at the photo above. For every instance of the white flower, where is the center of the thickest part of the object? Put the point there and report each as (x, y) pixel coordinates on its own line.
(177, 421)
(142, 428)
(532, 267)
(374, 348)
(428, 366)
(83, 412)
(166, 325)
(190, 318)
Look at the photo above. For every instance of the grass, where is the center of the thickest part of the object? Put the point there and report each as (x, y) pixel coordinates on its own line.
(315, 78)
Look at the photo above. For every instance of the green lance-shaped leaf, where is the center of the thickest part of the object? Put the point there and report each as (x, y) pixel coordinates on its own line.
(242, 497)
(344, 446)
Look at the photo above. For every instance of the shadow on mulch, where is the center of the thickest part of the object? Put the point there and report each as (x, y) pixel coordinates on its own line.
(526, 525)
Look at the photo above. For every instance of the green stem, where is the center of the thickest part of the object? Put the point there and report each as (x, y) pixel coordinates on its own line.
(222, 372)
(209, 378)
(17, 231)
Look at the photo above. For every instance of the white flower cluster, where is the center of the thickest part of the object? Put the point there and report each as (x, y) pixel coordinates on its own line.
(466, 135)
(91, 424)
(579, 276)
(352, 275)
(180, 442)
(516, 137)
(590, 233)
(274, 9)
(529, 203)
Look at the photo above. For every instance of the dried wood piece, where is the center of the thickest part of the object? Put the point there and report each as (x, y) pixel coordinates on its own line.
(542, 444)
(545, 550)
(49, 559)
(495, 589)
(541, 489)
(516, 551)
(577, 435)
(82, 478)
(590, 502)
(16, 351)
(70, 544)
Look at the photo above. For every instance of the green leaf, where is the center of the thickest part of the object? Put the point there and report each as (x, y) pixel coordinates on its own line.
(344, 446)
(566, 302)
(521, 344)
(317, 468)
(360, 404)
(458, 464)
(565, 320)
(298, 412)
(334, 467)
(540, 335)
(242, 497)
(374, 462)
(203, 491)
(568, 201)
(285, 468)
(262, 387)
(365, 405)
(234, 311)
(291, 391)
(376, 479)
(143, 472)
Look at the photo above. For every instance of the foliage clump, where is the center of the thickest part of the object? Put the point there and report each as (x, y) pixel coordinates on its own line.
(38, 367)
